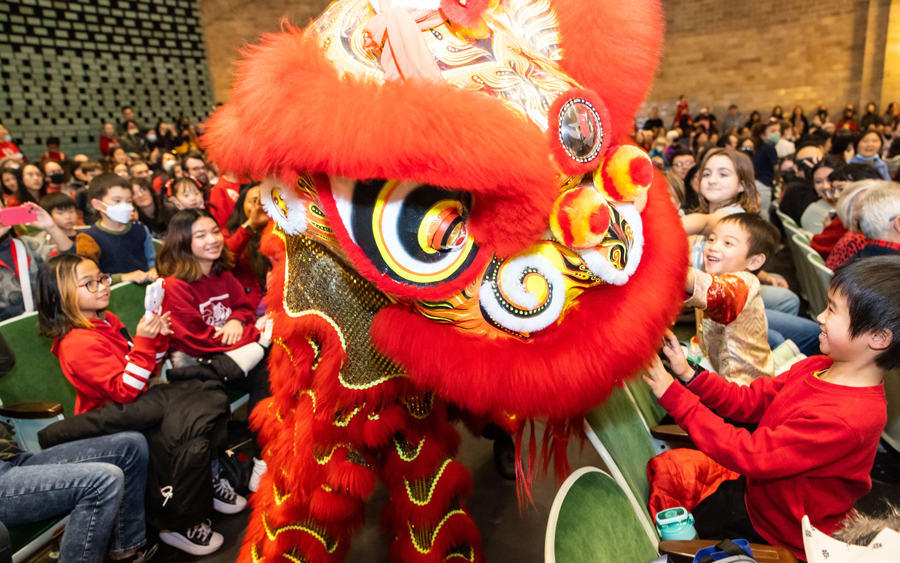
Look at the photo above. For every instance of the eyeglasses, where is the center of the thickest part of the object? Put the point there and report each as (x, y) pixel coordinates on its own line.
(93, 285)
(687, 164)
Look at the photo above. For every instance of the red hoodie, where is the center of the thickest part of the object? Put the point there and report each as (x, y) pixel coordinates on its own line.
(200, 308)
(104, 366)
(811, 454)
(222, 198)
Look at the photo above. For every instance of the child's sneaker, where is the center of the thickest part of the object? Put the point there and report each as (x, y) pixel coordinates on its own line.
(225, 500)
(259, 467)
(199, 540)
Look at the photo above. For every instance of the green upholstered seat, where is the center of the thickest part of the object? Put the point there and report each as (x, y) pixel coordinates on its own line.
(618, 433)
(795, 236)
(126, 301)
(821, 279)
(592, 519)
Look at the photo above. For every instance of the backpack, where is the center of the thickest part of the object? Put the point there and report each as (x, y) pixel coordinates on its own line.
(727, 551)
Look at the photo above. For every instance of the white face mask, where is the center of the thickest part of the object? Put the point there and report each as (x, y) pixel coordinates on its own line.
(120, 213)
(8, 138)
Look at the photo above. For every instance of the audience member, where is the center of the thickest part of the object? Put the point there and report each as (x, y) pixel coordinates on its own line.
(848, 210)
(868, 149)
(822, 212)
(7, 147)
(195, 166)
(753, 120)
(131, 140)
(870, 119)
(843, 145)
(824, 418)
(151, 209)
(210, 310)
(121, 247)
(223, 198)
(35, 188)
(821, 117)
(56, 177)
(11, 183)
(801, 192)
(139, 169)
(108, 139)
(682, 160)
(785, 147)
(799, 122)
(879, 221)
(727, 293)
(816, 214)
(848, 119)
(243, 232)
(53, 152)
(734, 119)
(105, 365)
(765, 158)
(127, 117)
(119, 156)
(63, 211)
(186, 194)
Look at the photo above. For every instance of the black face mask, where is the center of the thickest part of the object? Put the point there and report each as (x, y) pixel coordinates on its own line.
(57, 177)
(805, 164)
(789, 176)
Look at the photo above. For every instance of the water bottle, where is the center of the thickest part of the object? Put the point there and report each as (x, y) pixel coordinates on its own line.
(675, 524)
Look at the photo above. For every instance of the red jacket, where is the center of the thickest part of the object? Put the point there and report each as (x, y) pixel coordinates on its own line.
(104, 366)
(200, 308)
(824, 242)
(222, 198)
(811, 454)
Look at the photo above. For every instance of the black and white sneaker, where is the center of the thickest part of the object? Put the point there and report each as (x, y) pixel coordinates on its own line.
(225, 500)
(199, 540)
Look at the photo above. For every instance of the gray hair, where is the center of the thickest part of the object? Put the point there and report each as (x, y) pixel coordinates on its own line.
(850, 197)
(877, 208)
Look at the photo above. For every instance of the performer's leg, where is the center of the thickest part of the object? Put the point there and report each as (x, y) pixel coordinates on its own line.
(425, 513)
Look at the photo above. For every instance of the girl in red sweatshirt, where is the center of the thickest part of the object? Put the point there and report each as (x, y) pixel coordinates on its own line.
(210, 310)
(105, 365)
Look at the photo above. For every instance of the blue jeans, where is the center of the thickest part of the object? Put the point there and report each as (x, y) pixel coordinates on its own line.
(804, 332)
(779, 299)
(100, 481)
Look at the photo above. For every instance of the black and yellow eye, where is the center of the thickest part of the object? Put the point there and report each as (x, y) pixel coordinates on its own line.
(415, 234)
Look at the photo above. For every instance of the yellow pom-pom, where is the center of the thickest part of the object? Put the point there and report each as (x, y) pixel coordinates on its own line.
(580, 218)
(625, 174)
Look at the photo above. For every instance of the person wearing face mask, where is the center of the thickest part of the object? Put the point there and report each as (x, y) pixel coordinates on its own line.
(7, 147)
(165, 172)
(121, 247)
(132, 141)
(765, 158)
(868, 149)
(56, 178)
(799, 193)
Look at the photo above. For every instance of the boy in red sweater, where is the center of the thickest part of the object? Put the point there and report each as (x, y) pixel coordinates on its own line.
(819, 423)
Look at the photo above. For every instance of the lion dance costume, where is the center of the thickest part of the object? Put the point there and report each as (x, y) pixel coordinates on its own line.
(458, 220)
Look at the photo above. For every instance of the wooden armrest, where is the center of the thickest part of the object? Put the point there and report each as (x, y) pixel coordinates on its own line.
(31, 410)
(670, 433)
(684, 551)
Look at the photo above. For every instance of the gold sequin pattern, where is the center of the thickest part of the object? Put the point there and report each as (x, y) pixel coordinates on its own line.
(316, 279)
(292, 555)
(406, 450)
(421, 490)
(356, 457)
(420, 405)
(467, 552)
(423, 536)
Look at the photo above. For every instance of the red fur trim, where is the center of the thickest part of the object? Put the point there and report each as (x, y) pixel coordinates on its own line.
(566, 163)
(455, 483)
(612, 48)
(464, 12)
(385, 284)
(405, 130)
(337, 508)
(606, 336)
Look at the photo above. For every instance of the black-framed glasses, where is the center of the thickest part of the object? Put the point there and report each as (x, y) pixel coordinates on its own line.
(93, 285)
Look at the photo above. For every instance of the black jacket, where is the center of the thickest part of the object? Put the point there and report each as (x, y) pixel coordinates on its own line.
(185, 426)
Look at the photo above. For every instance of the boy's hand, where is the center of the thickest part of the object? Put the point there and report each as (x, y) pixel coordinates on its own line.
(230, 333)
(43, 220)
(150, 326)
(136, 276)
(658, 378)
(672, 349)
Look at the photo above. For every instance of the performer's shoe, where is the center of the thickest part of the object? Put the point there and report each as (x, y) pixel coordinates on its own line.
(259, 468)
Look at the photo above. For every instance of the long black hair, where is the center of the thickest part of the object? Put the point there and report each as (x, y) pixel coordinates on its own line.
(159, 223)
(259, 264)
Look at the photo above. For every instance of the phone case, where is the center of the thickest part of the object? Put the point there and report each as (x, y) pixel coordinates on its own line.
(11, 216)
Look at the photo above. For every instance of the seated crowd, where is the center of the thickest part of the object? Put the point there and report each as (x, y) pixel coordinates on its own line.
(95, 222)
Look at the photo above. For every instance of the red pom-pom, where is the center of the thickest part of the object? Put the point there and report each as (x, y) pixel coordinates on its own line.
(466, 13)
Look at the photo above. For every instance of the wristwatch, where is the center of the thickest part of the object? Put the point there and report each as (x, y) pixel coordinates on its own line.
(698, 369)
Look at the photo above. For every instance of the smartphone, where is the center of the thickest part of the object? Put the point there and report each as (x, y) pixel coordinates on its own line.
(11, 216)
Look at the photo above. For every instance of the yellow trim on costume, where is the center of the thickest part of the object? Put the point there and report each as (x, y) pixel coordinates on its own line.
(290, 557)
(279, 499)
(434, 534)
(254, 554)
(284, 347)
(431, 489)
(326, 458)
(400, 450)
(369, 385)
(470, 557)
(312, 396)
(343, 423)
(302, 527)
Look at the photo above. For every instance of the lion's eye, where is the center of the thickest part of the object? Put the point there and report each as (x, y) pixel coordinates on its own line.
(414, 233)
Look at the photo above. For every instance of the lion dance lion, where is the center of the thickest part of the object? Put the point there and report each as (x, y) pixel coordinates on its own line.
(458, 220)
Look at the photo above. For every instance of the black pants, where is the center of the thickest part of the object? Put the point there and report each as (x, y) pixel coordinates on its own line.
(723, 514)
(257, 385)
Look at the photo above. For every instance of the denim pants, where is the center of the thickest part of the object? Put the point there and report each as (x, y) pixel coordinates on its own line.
(779, 299)
(99, 481)
(804, 332)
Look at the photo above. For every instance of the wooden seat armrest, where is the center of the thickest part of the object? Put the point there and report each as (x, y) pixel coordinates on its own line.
(36, 410)
(684, 551)
(670, 433)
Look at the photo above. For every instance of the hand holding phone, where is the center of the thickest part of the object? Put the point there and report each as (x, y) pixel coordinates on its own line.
(11, 216)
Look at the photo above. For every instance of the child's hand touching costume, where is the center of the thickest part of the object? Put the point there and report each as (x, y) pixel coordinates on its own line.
(151, 326)
(672, 349)
(658, 378)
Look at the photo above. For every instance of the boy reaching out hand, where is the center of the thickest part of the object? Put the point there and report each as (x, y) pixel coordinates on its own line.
(819, 423)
